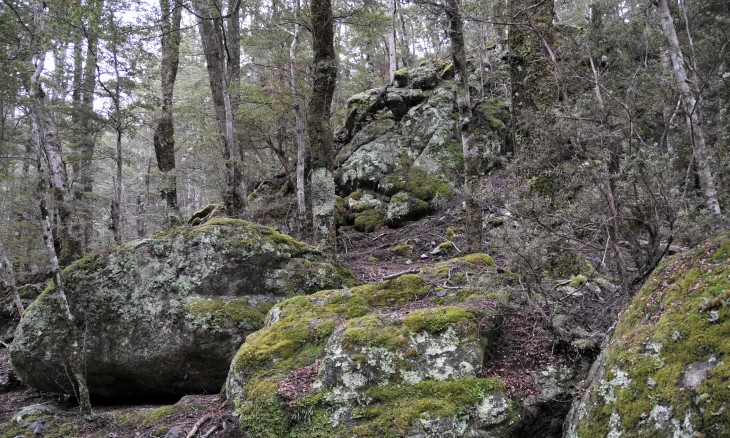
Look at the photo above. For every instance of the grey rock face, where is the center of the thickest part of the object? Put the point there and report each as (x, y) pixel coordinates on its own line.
(165, 315)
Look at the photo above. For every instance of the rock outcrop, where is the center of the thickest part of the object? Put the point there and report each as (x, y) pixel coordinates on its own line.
(404, 357)
(165, 315)
(665, 371)
(401, 141)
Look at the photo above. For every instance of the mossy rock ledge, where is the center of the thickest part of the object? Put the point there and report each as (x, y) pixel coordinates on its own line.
(665, 371)
(401, 358)
(165, 315)
(403, 139)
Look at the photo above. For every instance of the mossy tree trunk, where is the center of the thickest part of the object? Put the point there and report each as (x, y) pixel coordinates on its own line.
(533, 86)
(164, 139)
(319, 128)
(211, 29)
(469, 147)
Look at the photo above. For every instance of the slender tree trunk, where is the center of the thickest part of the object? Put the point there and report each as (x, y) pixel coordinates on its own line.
(164, 139)
(690, 94)
(301, 137)
(48, 143)
(392, 64)
(84, 87)
(50, 165)
(6, 267)
(116, 207)
(143, 200)
(469, 147)
(211, 35)
(75, 353)
(321, 137)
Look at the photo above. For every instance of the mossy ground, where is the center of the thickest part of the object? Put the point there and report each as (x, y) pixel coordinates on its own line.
(667, 327)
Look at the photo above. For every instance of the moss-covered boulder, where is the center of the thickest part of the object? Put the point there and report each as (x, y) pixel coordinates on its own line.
(404, 137)
(665, 371)
(397, 358)
(165, 315)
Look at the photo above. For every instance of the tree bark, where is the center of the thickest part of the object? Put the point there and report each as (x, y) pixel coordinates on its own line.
(210, 27)
(690, 94)
(319, 129)
(301, 137)
(9, 275)
(392, 64)
(50, 164)
(48, 143)
(164, 139)
(469, 147)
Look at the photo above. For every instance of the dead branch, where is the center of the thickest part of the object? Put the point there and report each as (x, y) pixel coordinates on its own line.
(197, 426)
(398, 274)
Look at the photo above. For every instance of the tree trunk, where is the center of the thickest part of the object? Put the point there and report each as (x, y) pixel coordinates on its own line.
(50, 164)
(469, 147)
(321, 137)
(211, 35)
(392, 65)
(75, 353)
(691, 108)
(6, 267)
(164, 139)
(300, 125)
(48, 144)
(533, 88)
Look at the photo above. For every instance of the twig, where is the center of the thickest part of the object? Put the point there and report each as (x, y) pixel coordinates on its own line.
(197, 426)
(210, 431)
(5, 345)
(398, 274)
(379, 236)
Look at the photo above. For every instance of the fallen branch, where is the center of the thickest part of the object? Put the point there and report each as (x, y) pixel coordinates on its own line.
(398, 274)
(197, 426)
(210, 431)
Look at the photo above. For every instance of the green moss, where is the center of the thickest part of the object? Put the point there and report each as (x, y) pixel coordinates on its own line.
(478, 259)
(437, 319)
(495, 111)
(416, 182)
(667, 327)
(160, 431)
(158, 414)
(373, 331)
(578, 281)
(425, 187)
(395, 409)
(402, 250)
(234, 312)
(369, 220)
(450, 233)
(448, 245)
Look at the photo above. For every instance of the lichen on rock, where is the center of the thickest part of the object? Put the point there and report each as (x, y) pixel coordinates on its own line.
(392, 359)
(165, 314)
(665, 369)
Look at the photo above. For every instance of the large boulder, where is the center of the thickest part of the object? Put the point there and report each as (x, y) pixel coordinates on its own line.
(404, 137)
(399, 358)
(165, 315)
(665, 371)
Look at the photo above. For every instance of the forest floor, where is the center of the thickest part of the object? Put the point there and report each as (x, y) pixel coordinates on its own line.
(371, 257)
